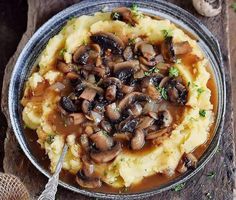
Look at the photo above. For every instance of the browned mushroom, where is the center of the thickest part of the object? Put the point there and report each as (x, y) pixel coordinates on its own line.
(111, 93)
(156, 134)
(138, 141)
(112, 112)
(77, 118)
(63, 67)
(135, 110)
(127, 89)
(122, 136)
(188, 161)
(146, 62)
(85, 106)
(165, 118)
(153, 79)
(128, 53)
(67, 104)
(84, 141)
(88, 94)
(87, 167)
(153, 92)
(87, 182)
(108, 41)
(128, 125)
(106, 126)
(102, 140)
(182, 48)
(145, 122)
(131, 98)
(106, 156)
(123, 14)
(111, 81)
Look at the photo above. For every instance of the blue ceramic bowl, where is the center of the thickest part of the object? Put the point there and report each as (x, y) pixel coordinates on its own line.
(159, 8)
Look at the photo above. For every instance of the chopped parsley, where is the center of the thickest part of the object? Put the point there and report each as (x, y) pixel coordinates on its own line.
(234, 6)
(134, 7)
(150, 71)
(84, 42)
(173, 72)
(179, 187)
(211, 175)
(61, 53)
(115, 16)
(50, 139)
(131, 41)
(188, 84)
(163, 92)
(167, 33)
(200, 91)
(202, 113)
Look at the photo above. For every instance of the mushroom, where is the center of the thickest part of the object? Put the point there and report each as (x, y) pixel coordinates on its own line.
(106, 156)
(167, 49)
(126, 69)
(188, 161)
(145, 122)
(88, 94)
(164, 81)
(106, 125)
(123, 14)
(87, 167)
(127, 89)
(153, 92)
(85, 106)
(135, 110)
(112, 112)
(79, 87)
(123, 136)
(153, 79)
(77, 118)
(111, 81)
(63, 67)
(138, 141)
(145, 49)
(84, 141)
(86, 54)
(108, 41)
(156, 134)
(87, 182)
(146, 62)
(128, 53)
(207, 8)
(131, 98)
(128, 125)
(102, 140)
(67, 104)
(164, 118)
(182, 48)
(98, 90)
(111, 93)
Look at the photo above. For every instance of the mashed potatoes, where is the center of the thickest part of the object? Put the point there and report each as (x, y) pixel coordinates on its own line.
(128, 168)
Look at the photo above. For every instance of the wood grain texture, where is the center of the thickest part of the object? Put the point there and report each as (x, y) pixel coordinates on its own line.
(220, 187)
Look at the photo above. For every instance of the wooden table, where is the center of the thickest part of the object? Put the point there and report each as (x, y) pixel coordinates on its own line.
(200, 187)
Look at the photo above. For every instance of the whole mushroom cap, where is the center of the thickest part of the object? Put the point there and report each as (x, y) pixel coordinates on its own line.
(206, 7)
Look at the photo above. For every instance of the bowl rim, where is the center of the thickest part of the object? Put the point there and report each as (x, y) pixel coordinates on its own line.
(215, 54)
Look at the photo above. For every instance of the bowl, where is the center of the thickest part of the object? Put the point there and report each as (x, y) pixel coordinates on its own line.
(207, 42)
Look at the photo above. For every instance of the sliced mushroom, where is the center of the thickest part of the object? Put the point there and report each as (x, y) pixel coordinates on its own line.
(108, 41)
(111, 81)
(190, 160)
(123, 14)
(102, 140)
(164, 81)
(87, 182)
(128, 53)
(146, 50)
(131, 98)
(88, 94)
(182, 48)
(146, 62)
(153, 92)
(98, 90)
(145, 122)
(111, 93)
(84, 141)
(127, 89)
(106, 156)
(86, 106)
(125, 70)
(156, 134)
(128, 125)
(87, 167)
(138, 141)
(77, 118)
(67, 104)
(165, 119)
(135, 110)
(63, 67)
(112, 112)
(153, 79)
(122, 136)
(106, 126)
(208, 8)
(167, 49)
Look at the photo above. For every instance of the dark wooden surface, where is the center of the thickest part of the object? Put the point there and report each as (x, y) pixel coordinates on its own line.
(220, 187)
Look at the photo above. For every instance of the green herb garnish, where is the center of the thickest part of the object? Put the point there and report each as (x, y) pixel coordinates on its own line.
(173, 72)
(179, 187)
(115, 16)
(188, 84)
(131, 41)
(150, 71)
(202, 113)
(61, 53)
(50, 139)
(200, 91)
(234, 6)
(134, 7)
(211, 174)
(163, 92)
(167, 33)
